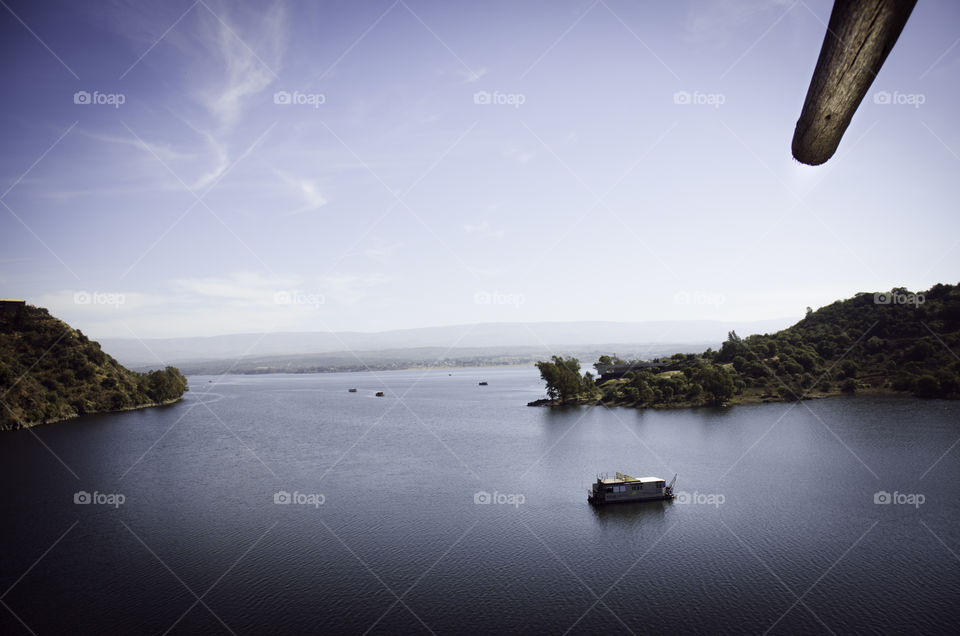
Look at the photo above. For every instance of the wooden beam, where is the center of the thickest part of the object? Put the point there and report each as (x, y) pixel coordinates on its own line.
(859, 37)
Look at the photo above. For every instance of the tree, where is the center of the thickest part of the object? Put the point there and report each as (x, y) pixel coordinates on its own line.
(716, 382)
(603, 360)
(562, 377)
(848, 369)
(732, 347)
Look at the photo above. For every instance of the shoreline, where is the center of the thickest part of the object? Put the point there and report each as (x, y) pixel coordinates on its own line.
(67, 418)
(739, 401)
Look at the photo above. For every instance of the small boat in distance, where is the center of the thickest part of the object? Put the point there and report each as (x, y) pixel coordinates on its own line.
(352, 390)
(380, 394)
(624, 488)
(484, 383)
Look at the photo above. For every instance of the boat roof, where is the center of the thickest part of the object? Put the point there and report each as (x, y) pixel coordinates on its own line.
(621, 478)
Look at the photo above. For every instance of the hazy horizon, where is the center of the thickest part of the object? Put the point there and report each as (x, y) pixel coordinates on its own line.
(205, 168)
(641, 339)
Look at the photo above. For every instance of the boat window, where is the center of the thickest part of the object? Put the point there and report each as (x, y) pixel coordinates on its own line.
(609, 489)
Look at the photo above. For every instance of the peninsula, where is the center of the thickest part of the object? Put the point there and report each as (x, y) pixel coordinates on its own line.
(897, 342)
(50, 371)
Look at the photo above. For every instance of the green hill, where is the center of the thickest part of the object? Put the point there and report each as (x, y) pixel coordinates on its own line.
(49, 372)
(896, 342)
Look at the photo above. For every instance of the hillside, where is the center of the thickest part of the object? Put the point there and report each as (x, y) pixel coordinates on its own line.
(49, 372)
(897, 342)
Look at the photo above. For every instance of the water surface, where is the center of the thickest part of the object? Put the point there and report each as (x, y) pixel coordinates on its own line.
(776, 527)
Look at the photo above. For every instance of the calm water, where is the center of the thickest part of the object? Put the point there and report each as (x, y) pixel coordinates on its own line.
(776, 527)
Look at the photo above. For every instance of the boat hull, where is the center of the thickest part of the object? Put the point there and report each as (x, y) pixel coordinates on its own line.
(602, 501)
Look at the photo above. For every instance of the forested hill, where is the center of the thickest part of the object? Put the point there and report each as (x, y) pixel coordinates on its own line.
(49, 371)
(898, 342)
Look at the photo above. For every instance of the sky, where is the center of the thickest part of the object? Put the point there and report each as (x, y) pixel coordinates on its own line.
(185, 168)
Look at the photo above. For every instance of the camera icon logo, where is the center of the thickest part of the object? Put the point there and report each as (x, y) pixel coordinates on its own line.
(81, 97)
(683, 497)
(82, 298)
(681, 97)
(482, 497)
(283, 298)
(81, 497)
(881, 97)
(882, 298)
(482, 298)
(481, 97)
(282, 97)
(881, 497)
(281, 497)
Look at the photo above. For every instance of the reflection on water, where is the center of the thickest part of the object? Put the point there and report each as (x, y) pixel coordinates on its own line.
(629, 514)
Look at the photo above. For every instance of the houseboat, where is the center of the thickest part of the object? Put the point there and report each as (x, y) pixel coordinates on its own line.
(484, 383)
(624, 488)
(352, 390)
(380, 393)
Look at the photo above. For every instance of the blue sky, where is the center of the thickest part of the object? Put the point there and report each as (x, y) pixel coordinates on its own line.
(236, 167)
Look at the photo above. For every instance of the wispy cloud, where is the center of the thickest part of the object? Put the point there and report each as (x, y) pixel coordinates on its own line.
(248, 61)
(252, 288)
(247, 287)
(307, 190)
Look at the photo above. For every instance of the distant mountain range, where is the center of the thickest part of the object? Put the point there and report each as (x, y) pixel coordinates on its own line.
(507, 342)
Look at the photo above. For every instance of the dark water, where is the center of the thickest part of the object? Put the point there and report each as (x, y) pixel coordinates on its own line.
(776, 527)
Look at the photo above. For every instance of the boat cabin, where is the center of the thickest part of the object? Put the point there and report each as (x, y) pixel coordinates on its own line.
(624, 488)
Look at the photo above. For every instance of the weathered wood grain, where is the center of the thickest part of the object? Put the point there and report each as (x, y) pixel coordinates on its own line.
(859, 37)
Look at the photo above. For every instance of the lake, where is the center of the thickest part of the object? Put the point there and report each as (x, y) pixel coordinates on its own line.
(286, 504)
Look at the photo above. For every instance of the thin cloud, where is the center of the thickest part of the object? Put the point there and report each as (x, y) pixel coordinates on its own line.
(307, 190)
(246, 73)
